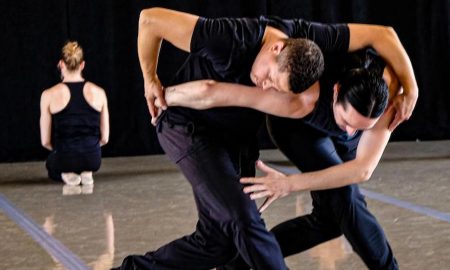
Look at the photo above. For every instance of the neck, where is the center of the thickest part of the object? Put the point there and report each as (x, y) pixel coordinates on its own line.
(73, 77)
(272, 35)
(311, 95)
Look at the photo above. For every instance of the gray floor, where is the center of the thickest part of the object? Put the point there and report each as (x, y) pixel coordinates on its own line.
(140, 203)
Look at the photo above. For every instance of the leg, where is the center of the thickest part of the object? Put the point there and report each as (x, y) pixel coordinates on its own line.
(52, 166)
(228, 219)
(335, 211)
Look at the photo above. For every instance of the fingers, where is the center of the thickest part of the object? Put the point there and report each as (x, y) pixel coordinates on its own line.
(151, 107)
(161, 98)
(259, 195)
(394, 124)
(402, 114)
(266, 204)
(155, 119)
(250, 180)
(266, 169)
(254, 188)
(263, 167)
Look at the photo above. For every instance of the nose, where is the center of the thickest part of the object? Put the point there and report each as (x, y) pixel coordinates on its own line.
(350, 130)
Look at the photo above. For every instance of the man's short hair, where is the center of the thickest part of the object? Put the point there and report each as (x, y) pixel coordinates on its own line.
(303, 59)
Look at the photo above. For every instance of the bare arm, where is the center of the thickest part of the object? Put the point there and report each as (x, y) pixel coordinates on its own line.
(45, 121)
(156, 24)
(104, 121)
(205, 94)
(386, 42)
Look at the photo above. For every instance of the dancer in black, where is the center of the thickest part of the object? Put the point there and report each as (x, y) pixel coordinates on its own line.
(78, 112)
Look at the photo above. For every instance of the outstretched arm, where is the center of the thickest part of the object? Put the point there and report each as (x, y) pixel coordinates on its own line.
(205, 94)
(276, 185)
(155, 25)
(386, 42)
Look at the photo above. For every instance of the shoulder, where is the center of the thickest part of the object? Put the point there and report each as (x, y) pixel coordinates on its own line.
(227, 29)
(94, 89)
(52, 91)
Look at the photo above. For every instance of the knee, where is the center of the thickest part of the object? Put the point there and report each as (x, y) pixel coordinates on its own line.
(240, 219)
(345, 201)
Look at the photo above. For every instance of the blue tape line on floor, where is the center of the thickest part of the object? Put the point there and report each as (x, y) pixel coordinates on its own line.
(46, 241)
(386, 199)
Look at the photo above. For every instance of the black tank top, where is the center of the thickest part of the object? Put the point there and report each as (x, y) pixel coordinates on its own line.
(77, 126)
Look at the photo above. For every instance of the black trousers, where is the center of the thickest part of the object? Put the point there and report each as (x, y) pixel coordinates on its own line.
(335, 211)
(58, 163)
(228, 221)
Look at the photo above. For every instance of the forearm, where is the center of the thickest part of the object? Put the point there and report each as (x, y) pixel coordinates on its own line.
(386, 42)
(48, 146)
(208, 94)
(195, 95)
(45, 124)
(104, 126)
(370, 149)
(396, 57)
(344, 174)
(149, 45)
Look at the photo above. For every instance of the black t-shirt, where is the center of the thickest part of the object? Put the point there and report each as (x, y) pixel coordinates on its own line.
(224, 49)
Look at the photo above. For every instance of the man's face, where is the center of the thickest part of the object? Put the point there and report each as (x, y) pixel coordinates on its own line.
(350, 120)
(266, 73)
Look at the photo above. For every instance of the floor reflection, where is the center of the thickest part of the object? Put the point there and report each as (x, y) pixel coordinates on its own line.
(329, 253)
(105, 260)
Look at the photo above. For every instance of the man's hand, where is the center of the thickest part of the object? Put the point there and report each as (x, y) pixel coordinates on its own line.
(404, 105)
(153, 91)
(272, 186)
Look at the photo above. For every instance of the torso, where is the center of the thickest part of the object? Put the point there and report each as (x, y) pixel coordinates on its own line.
(60, 97)
(75, 109)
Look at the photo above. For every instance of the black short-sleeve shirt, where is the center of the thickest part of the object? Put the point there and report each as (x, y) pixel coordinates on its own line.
(224, 49)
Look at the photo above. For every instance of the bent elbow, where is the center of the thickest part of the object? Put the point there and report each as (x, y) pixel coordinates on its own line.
(45, 142)
(206, 90)
(207, 85)
(47, 145)
(365, 175)
(104, 139)
(390, 31)
(147, 16)
(103, 142)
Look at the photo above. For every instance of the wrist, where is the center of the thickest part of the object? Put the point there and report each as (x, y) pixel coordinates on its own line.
(290, 185)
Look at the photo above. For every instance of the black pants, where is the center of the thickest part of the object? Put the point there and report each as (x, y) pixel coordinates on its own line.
(335, 211)
(229, 221)
(58, 163)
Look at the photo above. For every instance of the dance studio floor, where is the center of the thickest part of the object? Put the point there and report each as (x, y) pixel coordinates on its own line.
(139, 203)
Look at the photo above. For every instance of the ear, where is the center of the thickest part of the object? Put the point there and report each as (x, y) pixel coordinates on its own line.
(82, 65)
(336, 89)
(277, 47)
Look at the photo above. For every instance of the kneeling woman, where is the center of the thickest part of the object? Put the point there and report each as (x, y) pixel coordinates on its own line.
(74, 122)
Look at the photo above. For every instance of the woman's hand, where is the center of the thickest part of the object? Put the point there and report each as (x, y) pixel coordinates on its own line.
(272, 186)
